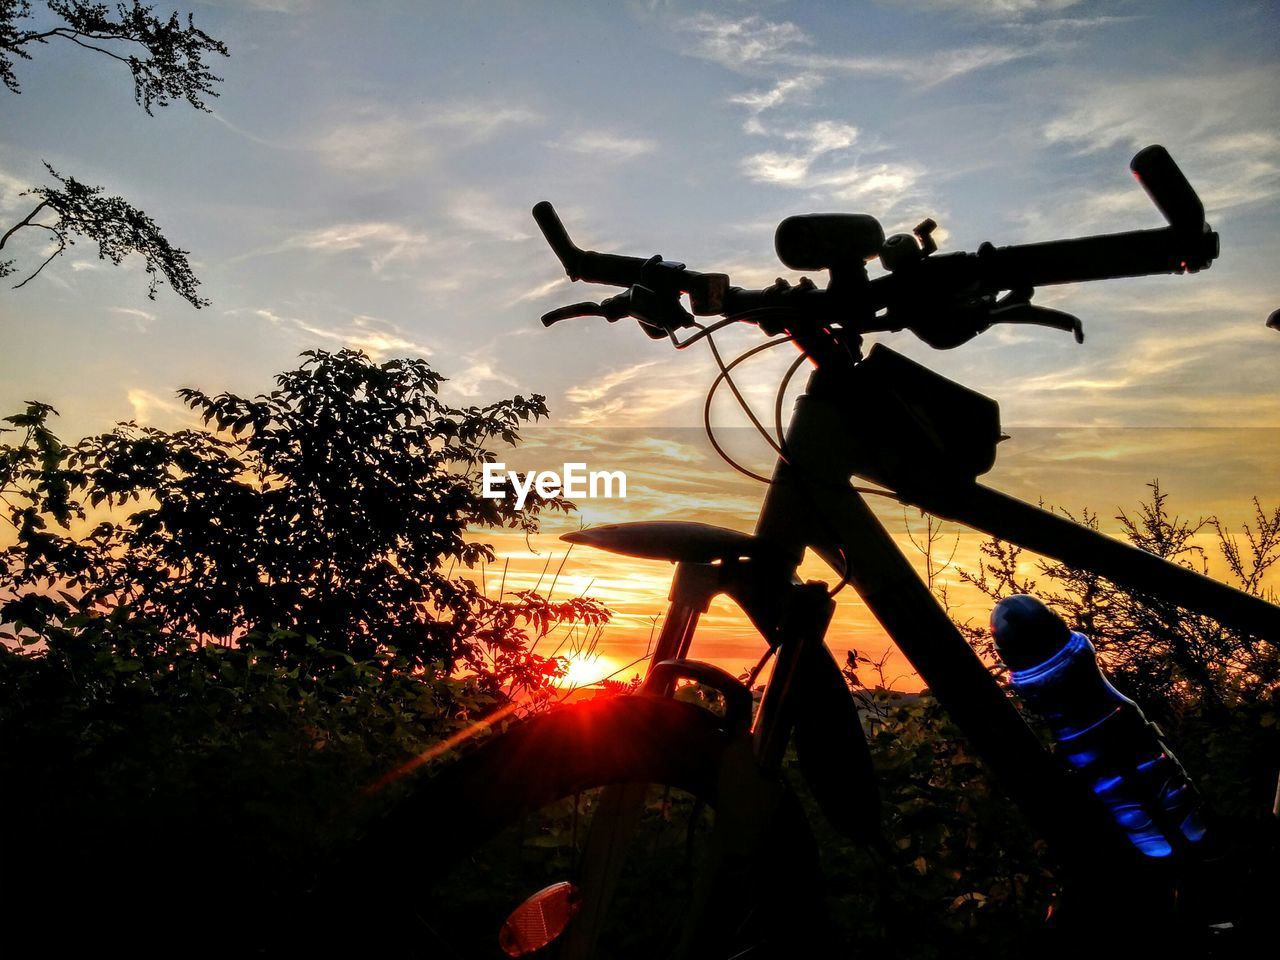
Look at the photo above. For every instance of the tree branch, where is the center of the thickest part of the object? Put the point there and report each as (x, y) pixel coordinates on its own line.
(62, 245)
(25, 222)
(75, 38)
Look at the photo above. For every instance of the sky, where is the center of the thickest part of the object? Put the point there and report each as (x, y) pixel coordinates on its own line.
(366, 174)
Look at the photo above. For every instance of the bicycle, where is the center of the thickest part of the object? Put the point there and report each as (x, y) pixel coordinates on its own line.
(750, 888)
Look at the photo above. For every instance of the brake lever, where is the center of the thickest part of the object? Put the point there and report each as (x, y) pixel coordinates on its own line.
(659, 316)
(1016, 307)
(612, 309)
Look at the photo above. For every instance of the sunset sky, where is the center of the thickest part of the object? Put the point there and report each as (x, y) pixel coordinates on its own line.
(366, 175)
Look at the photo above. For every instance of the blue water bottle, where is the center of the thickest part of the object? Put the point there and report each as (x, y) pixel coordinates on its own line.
(1098, 730)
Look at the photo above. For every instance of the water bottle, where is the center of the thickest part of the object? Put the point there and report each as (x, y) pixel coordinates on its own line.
(1098, 730)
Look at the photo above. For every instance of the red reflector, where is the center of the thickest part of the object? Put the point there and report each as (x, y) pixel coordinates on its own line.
(540, 919)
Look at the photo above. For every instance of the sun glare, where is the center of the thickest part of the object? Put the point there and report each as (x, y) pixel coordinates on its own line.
(586, 669)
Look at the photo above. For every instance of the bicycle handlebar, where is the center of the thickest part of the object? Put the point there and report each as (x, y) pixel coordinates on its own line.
(610, 268)
(917, 283)
(1168, 188)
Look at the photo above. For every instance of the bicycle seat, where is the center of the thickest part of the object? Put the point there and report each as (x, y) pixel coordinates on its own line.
(673, 540)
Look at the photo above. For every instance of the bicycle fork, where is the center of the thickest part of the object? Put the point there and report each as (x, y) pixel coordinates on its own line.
(794, 618)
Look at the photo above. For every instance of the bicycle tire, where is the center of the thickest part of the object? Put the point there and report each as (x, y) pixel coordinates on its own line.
(576, 748)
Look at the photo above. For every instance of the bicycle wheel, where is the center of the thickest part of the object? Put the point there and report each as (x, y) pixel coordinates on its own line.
(451, 862)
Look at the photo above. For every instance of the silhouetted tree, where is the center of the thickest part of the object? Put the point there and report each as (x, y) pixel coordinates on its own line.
(166, 60)
(332, 508)
(214, 641)
(1168, 658)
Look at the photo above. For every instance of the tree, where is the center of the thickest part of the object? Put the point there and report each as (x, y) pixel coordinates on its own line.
(167, 62)
(330, 510)
(1167, 658)
(214, 642)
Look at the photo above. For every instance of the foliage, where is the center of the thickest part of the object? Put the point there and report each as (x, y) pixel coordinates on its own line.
(143, 782)
(117, 227)
(960, 874)
(1169, 659)
(166, 60)
(329, 508)
(204, 686)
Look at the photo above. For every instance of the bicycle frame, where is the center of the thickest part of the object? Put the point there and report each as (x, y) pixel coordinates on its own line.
(811, 504)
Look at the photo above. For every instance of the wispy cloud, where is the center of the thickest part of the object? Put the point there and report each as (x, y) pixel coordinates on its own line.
(607, 145)
(638, 394)
(540, 291)
(381, 241)
(1220, 128)
(1154, 379)
(150, 408)
(938, 66)
(794, 168)
(371, 137)
(378, 338)
(268, 6)
(469, 381)
(822, 162)
(784, 91)
(11, 198)
(602, 386)
(753, 44)
(479, 212)
(735, 43)
(996, 8)
(141, 319)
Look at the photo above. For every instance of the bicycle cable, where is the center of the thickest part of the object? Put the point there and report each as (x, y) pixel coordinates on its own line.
(733, 387)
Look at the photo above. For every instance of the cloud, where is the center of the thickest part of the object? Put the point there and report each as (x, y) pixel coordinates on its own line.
(1154, 378)
(377, 338)
(478, 212)
(603, 144)
(737, 43)
(938, 66)
(793, 169)
(600, 388)
(375, 138)
(752, 45)
(1219, 128)
(142, 319)
(822, 167)
(1109, 111)
(11, 189)
(468, 381)
(639, 394)
(382, 241)
(784, 91)
(147, 405)
(267, 6)
(996, 8)
(540, 291)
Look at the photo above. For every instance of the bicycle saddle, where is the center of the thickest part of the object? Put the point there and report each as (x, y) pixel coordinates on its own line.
(673, 540)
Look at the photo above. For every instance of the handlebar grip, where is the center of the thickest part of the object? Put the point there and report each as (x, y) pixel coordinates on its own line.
(1168, 188)
(557, 237)
(608, 268)
(1135, 254)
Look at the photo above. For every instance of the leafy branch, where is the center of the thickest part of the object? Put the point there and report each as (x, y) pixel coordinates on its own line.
(165, 58)
(118, 227)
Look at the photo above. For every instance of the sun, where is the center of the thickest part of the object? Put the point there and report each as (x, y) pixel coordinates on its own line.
(585, 670)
